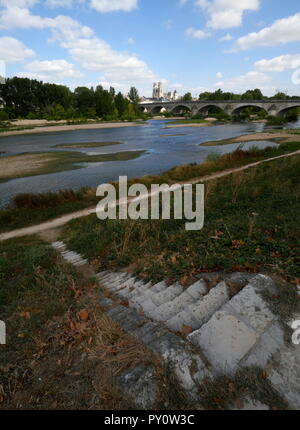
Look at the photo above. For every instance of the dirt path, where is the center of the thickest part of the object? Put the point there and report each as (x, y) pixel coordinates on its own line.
(58, 222)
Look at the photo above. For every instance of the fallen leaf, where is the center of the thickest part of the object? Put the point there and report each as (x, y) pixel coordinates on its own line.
(296, 281)
(231, 388)
(238, 244)
(184, 280)
(186, 329)
(83, 315)
(25, 315)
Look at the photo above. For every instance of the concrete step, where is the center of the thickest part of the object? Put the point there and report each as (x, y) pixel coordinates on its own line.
(195, 315)
(184, 359)
(243, 332)
(69, 256)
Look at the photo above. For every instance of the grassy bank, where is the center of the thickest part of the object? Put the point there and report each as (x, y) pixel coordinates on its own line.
(250, 226)
(33, 164)
(29, 209)
(62, 352)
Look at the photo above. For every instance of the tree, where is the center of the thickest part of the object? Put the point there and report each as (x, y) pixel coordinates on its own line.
(187, 97)
(252, 95)
(121, 103)
(134, 95)
(84, 99)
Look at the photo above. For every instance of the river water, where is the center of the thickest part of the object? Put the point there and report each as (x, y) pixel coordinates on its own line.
(165, 148)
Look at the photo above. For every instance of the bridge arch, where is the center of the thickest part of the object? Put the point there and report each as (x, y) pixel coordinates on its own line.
(283, 112)
(210, 109)
(255, 107)
(158, 109)
(181, 109)
(143, 109)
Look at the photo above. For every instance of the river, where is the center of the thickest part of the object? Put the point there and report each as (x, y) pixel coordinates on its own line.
(165, 148)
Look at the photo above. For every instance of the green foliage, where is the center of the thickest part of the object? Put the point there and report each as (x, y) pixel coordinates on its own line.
(32, 99)
(238, 234)
(3, 115)
(187, 97)
(274, 120)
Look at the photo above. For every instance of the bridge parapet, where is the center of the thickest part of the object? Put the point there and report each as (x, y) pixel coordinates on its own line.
(273, 107)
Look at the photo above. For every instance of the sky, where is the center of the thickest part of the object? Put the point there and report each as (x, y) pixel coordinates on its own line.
(189, 45)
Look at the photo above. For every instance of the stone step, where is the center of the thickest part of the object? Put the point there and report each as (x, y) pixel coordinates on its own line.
(69, 256)
(58, 245)
(149, 300)
(170, 309)
(184, 359)
(233, 335)
(197, 314)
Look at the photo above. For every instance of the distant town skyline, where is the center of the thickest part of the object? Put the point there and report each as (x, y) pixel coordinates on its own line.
(187, 45)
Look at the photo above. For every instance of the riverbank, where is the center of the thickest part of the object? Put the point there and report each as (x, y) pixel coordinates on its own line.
(23, 165)
(284, 136)
(30, 209)
(28, 127)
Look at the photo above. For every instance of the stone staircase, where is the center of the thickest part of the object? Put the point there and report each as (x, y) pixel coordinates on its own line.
(202, 331)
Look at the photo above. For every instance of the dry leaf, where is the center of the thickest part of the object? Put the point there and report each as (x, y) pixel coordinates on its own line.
(238, 244)
(83, 315)
(231, 388)
(186, 329)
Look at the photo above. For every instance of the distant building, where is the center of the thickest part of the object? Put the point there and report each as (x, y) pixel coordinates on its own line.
(2, 81)
(171, 96)
(158, 92)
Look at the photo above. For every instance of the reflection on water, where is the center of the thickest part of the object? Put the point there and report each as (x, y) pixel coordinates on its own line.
(163, 153)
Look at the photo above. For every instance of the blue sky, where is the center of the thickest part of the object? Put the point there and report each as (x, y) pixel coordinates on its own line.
(190, 45)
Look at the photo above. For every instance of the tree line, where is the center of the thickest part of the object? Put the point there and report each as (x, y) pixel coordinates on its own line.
(32, 99)
(248, 95)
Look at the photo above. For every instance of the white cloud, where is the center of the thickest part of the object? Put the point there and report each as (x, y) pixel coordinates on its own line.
(131, 41)
(226, 13)
(59, 3)
(226, 38)
(90, 52)
(197, 34)
(14, 51)
(96, 55)
(51, 70)
(182, 2)
(279, 64)
(249, 81)
(104, 6)
(219, 75)
(282, 31)
(18, 3)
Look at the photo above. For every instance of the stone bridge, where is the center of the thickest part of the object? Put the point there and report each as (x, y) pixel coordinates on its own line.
(272, 107)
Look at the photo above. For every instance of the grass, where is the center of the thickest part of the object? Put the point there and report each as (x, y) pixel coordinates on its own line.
(55, 358)
(225, 392)
(33, 164)
(46, 206)
(250, 226)
(87, 144)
